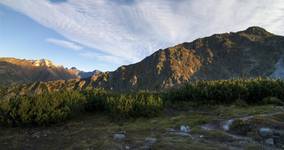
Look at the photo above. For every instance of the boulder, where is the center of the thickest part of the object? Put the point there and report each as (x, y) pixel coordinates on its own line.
(119, 136)
(265, 132)
(269, 141)
(184, 128)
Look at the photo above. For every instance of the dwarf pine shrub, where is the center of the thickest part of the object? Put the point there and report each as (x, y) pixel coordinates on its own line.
(40, 109)
(134, 105)
(228, 91)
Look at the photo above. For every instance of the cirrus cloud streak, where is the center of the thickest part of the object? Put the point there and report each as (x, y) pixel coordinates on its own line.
(129, 30)
(65, 44)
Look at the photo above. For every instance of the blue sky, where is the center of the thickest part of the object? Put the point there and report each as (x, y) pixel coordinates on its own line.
(104, 34)
(21, 37)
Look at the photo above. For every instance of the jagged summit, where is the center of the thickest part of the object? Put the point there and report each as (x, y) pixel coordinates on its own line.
(35, 63)
(257, 31)
(44, 62)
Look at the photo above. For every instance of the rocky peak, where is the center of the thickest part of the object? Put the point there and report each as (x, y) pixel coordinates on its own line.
(43, 63)
(255, 30)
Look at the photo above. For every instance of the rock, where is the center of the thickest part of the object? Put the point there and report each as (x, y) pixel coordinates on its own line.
(227, 124)
(119, 136)
(265, 132)
(171, 130)
(150, 140)
(269, 141)
(184, 128)
(127, 147)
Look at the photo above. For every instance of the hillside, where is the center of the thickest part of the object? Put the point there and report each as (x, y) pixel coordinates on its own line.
(14, 70)
(250, 53)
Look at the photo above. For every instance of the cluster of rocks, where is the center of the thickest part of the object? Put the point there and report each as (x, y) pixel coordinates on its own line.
(271, 137)
(183, 130)
(121, 136)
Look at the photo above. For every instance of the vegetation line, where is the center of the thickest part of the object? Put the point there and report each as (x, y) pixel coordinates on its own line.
(53, 107)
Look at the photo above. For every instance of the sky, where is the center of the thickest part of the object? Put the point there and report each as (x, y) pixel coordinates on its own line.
(105, 34)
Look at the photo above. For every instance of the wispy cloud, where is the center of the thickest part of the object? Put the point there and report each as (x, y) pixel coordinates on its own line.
(129, 30)
(65, 44)
(114, 60)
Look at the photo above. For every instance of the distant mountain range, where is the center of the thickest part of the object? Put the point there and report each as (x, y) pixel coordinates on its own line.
(14, 70)
(251, 53)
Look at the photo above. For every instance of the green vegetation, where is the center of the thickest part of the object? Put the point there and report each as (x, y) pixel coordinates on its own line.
(134, 105)
(240, 127)
(124, 105)
(229, 91)
(40, 109)
(55, 107)
(43, 109)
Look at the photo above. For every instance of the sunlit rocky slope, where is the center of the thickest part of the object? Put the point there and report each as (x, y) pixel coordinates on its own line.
(250, 53)
(14, 70)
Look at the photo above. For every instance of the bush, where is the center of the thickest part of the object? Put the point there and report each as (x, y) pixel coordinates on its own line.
(228, 91)
(44, 109)
(95, 99)
(40, 109)
(272, 101)
(131, 105)
(241, 103)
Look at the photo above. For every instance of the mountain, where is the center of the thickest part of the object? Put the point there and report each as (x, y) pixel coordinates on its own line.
(82, 74)
(251, 53)
(14, 70)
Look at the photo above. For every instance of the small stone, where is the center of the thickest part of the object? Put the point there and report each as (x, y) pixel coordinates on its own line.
(265, 132)
(150, 140)
(171, 130)
(119, 136)
(269, 141)
(127, 147)
(184, 128)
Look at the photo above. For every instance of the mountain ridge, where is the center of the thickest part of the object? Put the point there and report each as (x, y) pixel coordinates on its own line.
(251, 53)
(200, 60)
(13, 70)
